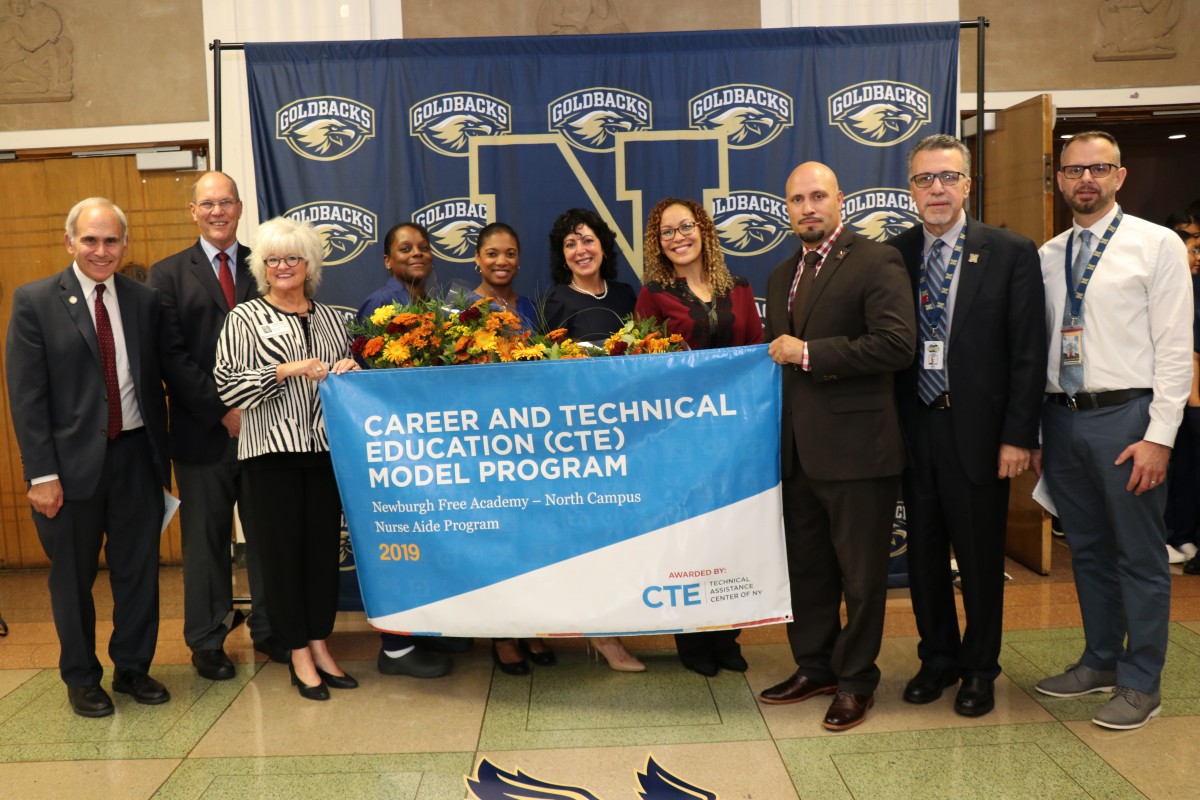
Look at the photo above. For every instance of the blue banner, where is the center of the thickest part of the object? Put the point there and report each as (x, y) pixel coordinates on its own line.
(356, 136)
(625, 494)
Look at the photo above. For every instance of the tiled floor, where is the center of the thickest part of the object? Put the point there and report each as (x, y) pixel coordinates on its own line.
(580, 724)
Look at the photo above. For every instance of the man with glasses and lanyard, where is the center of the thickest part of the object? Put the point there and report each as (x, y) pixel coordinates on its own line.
(1119, 313)
(970, 407)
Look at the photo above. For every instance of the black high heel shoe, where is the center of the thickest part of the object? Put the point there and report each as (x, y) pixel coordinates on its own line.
(545, 658)
(318, 692)
(516, 668)
(343, 681)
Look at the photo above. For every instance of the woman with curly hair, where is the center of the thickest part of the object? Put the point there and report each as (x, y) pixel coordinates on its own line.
(587, 299)
(688, 286)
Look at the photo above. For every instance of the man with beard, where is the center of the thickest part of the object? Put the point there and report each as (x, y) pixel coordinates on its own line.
(1119, 313)
(840, 320)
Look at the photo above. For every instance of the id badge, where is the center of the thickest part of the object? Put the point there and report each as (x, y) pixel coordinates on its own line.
(271, 330)
(934, 355)
(1072, 346)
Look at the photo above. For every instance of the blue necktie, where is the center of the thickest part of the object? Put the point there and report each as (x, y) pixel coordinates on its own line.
(1070, 376)
(931, 382)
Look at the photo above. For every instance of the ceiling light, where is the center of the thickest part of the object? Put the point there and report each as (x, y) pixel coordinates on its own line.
(1177, 136)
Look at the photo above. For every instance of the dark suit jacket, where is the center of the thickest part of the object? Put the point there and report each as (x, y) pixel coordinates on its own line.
(56, 383)
(840, 417)
(194, 310)
(997, 349)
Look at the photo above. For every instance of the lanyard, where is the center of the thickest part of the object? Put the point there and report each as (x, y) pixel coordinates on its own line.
(1076, 296)
(935, 309)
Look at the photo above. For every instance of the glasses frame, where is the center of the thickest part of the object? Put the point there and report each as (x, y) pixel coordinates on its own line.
(291, 261)
(667, 234)
(209, 206)
(923, 180)
(1066, 169)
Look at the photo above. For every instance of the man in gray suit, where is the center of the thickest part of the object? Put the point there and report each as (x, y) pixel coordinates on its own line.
(840, 320)
(85, 388)
(198, 286)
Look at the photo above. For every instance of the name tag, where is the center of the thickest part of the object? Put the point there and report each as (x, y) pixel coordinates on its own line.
(934, 356)
(272, 330)
(1072, 346)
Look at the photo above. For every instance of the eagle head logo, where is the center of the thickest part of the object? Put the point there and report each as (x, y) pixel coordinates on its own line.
(743, 124)
(747, 231)
(880, 113)
(325, 128)
(596, 128)
(458, 239)
(453, 131)
(882, 225)
(880, 119)
(337, 240)
(323, 135)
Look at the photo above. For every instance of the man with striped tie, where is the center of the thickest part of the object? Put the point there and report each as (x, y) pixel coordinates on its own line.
(198, 286)
(970, 406)
(1119, 312)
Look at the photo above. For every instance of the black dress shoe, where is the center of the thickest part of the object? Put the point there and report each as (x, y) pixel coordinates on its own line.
(343, 681)
(416, 663)
(509, 668)
(702, 663)
(89, 701)
(847, 710)
(732, 660)
(975, 697)
(213, 664)
(928, 684)
(272, 649)
(794, 689)
(318, 692)
(543, 658)
(140, 686)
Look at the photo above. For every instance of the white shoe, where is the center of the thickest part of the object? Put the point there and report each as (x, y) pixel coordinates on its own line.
(1174, 556)
(1188, 549)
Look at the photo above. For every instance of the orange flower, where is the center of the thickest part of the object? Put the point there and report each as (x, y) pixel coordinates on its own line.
(557, 335)
(374, 346)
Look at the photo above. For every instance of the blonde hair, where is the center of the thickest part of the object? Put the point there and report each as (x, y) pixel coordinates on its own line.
(285, 235)
(656, 267)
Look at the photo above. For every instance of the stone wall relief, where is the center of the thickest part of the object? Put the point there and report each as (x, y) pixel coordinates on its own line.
(36, 58)
(1134, 30)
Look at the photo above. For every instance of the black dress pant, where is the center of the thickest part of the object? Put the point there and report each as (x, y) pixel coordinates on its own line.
(297, 519)
(945, 509)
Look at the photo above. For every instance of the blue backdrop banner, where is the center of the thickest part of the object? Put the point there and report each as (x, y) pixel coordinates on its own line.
(628, 494)
(356, 136)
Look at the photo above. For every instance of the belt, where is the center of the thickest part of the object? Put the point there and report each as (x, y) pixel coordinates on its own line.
(942, 401)
(1086, 401)
(131, 432)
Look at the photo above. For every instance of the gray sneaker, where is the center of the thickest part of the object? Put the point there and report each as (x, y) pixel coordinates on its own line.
(1077, 680)
(1128, 709)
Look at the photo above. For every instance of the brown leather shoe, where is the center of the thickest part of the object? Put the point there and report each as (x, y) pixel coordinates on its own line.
(794, 689)
(847, 710)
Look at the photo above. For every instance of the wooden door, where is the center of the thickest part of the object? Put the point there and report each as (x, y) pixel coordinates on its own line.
(35, 197)
(1018, 194)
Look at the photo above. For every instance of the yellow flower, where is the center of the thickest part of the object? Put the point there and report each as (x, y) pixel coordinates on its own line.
(485, 340)
(396, 352)
(532, 352)
(383, 314)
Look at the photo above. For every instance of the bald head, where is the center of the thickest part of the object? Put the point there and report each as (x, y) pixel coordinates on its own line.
(814, 202)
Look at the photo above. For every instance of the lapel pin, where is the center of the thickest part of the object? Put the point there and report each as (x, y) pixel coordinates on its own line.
(974, 258)
(72, 299)
(841, 254)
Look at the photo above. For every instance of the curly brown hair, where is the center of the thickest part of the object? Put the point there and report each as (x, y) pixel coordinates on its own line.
(656, 267)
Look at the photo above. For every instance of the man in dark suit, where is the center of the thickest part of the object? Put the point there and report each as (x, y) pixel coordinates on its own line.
(198, 286)
(970, 406)
(840, 321)
(85, 388)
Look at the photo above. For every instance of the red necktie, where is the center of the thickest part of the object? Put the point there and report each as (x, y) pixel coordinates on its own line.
(225, 276)
(108, 360)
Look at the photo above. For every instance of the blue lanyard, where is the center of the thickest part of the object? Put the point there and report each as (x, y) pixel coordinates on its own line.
(935, 310)
(1076, 295)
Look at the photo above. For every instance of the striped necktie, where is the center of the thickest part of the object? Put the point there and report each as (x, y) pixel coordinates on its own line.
(932, 382)
(1070, 376)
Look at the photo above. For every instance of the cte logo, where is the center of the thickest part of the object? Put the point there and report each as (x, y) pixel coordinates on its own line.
(453, 226)
(345, 229)
(325, 128)
(748, 115)
(589, 119)
(879, 113)
(445, 123)
(750, 223)
(880, 213)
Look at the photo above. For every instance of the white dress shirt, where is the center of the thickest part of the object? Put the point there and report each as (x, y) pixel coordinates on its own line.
(1137, 324)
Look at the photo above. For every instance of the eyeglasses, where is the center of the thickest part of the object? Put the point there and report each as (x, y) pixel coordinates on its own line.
(685, 228)
(925, 179)
(209, 205)
(1194, 251)
(273, 262)
(1074, 171)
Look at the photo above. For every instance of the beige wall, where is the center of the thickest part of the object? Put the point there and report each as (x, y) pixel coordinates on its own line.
(83, 63)
(1039, 45)
(436, 18)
